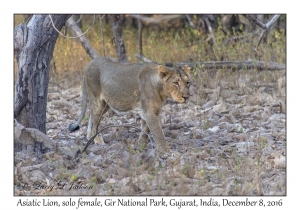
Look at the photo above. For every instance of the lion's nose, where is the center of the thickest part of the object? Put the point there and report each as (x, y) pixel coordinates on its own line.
(185, 97)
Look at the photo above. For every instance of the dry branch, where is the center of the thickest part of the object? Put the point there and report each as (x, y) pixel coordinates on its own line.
(266, 27)
(143, 58)
(190, 21)
(206, 19)
(156, 20)
(235, 65)
(85, 43)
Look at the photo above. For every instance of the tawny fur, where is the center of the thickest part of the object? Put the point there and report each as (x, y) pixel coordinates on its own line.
(135, 88)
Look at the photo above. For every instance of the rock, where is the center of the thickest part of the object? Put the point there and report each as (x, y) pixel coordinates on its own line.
(53, 96)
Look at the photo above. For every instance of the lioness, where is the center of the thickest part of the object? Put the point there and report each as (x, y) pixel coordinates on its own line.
(131, 87)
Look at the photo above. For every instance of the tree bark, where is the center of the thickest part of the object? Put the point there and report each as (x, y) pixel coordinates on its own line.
(34, 44)
(116, 23)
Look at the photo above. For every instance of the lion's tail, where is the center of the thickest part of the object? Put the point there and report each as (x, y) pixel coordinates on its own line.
(75, 126)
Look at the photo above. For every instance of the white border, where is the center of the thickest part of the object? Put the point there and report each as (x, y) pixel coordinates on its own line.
(9, 8)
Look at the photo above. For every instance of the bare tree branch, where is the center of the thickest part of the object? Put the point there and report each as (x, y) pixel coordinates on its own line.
(79, 19)
(266, 27)
(156, 20)
(272, 21)
(146, 60)
(190, 21)
(206, 19)
(85, 43)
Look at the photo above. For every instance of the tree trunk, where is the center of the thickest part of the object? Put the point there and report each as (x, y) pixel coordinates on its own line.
(116, 24)
(34, 45)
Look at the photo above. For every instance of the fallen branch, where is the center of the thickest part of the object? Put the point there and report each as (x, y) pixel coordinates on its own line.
(235, 65)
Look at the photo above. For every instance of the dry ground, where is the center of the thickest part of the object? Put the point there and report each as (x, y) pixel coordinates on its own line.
(229, 139)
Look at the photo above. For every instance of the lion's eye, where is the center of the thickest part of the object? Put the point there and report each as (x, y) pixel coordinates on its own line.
(176, 83)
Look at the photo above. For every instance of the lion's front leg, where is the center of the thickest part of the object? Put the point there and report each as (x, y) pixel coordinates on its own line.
(155, 127)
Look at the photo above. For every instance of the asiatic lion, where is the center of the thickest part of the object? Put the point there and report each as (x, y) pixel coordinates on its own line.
(131, 87)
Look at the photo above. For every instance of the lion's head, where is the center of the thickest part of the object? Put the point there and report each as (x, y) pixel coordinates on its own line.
(176, 82)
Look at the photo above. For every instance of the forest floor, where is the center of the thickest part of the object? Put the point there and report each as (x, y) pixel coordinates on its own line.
(229, 139)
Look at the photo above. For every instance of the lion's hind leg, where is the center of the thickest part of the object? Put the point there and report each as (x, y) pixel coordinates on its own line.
(98, 109)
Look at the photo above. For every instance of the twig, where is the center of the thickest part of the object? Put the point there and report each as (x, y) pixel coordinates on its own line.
(70, 37)
(239, 37)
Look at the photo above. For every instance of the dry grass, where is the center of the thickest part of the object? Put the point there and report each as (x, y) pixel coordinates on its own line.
(165, 45)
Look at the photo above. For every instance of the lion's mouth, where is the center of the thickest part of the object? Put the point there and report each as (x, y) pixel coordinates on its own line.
(182, 100)
(185, 98)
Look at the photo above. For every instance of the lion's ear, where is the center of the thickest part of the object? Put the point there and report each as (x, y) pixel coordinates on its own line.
(186, 69)
(164, 73)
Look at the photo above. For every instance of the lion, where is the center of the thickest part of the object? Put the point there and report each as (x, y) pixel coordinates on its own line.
(131, 88)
